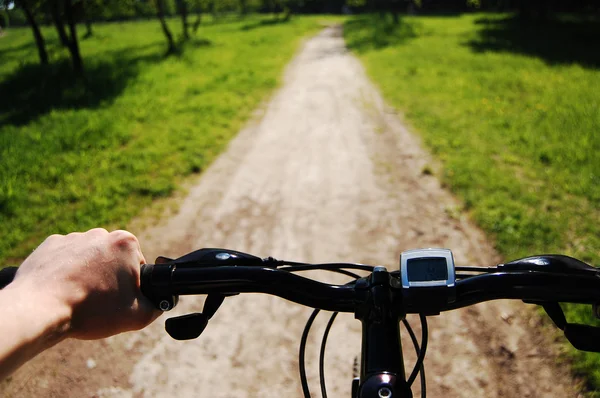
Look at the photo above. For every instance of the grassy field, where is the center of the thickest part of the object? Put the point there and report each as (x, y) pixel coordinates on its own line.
(513, 113)
(76, 156)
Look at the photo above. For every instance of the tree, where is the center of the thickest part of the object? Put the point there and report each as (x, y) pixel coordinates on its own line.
(26, 5)
(3, 17)
(87, 21)
(212, 6)
(91, 9)
(198, 5)
(289, 6)
(58, 9)
(160, 12)
(182, 8)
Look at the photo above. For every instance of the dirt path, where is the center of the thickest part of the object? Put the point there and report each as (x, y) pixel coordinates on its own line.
(329, 173)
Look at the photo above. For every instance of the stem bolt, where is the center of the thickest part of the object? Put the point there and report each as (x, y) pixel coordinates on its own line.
(384, 392)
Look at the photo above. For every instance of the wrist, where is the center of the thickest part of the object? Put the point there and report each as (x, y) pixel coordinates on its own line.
(32, 324)
(43, 318)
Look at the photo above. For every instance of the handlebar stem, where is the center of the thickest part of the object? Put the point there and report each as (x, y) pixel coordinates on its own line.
(382, 365)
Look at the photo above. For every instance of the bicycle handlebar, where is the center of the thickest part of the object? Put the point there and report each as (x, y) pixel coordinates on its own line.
(524, 285)
(527, 286)
(231, 280)
(533, 286)
(378, 300)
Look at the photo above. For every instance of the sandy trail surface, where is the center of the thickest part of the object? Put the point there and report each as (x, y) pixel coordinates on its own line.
(326, 173)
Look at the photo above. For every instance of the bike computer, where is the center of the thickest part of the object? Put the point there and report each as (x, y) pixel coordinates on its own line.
(427, 268)
(428, 279)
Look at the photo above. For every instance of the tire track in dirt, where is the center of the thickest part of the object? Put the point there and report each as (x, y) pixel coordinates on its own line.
(329, 173)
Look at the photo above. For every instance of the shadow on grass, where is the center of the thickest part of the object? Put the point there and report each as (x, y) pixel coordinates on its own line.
(194, 42)
(17, 52)
(32, 90)
(374, 32)
(563, 40)
(265, 23)
(200, 42)
(30, 45)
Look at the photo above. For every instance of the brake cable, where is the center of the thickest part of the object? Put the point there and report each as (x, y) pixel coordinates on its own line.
(322, 354)
(292, 266)
(302, 351)
(310, 321)
(420, 350)
(310, 268)
(419, 365)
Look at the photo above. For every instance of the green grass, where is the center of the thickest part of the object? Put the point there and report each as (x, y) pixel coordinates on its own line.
(513, 112)
(75, 156)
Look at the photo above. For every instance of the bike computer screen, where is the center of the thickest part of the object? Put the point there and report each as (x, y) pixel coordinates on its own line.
(427, 268)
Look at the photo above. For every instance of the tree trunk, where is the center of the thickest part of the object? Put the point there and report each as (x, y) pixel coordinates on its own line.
(275, 8)
(287, 14)
(37, 34)
(160, 8)
(58, 22)
(395, 9)
(183, 11)
(381, 8)
(198, 20)
(73, 42)
(86, 19)
(213, 9)
(524, 8)
(244, 7)
(88, 28)
(544, 10)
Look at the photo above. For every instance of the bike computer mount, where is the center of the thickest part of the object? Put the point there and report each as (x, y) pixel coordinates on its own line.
(428, 279)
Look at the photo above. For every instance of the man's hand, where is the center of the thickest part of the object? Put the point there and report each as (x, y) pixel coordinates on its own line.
(94, 274)
(82, 285)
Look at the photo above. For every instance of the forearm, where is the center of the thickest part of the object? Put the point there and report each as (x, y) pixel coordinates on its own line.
(31, 324)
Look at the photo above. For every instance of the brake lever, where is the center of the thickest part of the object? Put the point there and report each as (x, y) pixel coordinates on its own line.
(191, 326)
(582, 337)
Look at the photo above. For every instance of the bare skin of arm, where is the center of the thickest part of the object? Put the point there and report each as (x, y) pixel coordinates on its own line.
(82, 285)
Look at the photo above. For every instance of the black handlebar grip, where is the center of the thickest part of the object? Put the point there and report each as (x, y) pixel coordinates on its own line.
(146, 281)
(155, 282)
(7, 275)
